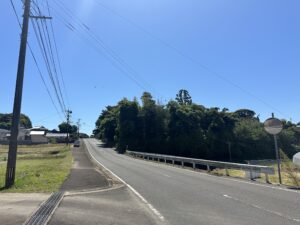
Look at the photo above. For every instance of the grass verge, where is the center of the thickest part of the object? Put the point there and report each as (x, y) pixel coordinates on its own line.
(39, 168)
(286, 178)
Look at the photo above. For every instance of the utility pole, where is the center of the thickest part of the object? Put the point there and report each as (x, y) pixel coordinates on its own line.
(78, 127)
(13, 142)
(69, 112)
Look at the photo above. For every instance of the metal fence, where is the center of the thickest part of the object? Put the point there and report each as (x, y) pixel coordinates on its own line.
(252, 169)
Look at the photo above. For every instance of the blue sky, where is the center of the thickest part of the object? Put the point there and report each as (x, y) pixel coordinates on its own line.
(226, 53)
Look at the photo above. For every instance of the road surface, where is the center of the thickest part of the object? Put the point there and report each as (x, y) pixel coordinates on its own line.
(184, 197)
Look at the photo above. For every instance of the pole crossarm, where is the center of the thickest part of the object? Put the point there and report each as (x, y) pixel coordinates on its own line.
(41, 17)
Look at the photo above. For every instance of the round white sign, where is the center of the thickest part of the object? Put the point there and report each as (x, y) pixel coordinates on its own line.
(273, 126)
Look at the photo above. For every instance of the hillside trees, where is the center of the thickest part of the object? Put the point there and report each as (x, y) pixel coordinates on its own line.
(187, 129)
(6, 121)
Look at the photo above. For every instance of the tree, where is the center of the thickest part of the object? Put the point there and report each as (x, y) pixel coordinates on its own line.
(244, 114)
(127, 132)
(6, 121)
(185, 135)
(67, 128)
(251, 141)
(187, 129)
(107, 125)
(183, 97)
(151, 124)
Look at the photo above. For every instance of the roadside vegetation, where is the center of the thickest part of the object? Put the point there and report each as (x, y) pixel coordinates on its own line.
(41, 168)
(289, 172)
(287, 179)
(184, 128)
(187, 129)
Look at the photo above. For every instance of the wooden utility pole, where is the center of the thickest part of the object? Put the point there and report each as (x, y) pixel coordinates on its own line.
(78, 127)
(69, 112)
(13, 142)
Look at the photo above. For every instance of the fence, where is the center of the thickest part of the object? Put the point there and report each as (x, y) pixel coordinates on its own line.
(252, 169)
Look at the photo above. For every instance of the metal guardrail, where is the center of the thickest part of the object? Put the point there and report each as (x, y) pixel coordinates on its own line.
(208, 163)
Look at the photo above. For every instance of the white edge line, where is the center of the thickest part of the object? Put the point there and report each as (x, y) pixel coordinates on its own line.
(151, 207)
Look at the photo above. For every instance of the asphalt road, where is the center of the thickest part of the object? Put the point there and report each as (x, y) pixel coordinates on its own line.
(184, 197)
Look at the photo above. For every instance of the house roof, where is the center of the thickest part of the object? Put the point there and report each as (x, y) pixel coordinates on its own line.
(37, 132)
(38, 128)
(56, 135)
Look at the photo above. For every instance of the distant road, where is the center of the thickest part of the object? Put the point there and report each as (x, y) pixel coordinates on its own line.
(184, 197)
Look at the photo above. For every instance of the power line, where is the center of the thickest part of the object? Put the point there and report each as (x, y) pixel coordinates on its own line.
(41, 43)
(186, 56)
(35, 61)
(112, 56)
(50, 54)
(57, 56)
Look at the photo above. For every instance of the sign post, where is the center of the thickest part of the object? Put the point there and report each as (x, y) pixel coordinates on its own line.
(274, 126)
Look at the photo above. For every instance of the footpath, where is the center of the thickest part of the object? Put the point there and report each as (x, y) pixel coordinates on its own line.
(16, 208)
(94, 198)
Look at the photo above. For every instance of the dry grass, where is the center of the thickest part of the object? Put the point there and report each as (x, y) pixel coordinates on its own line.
(287, 178)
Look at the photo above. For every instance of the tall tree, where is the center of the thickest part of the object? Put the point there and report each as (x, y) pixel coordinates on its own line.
(127, 132)
(151, 118)
(183, 97)
(67, 128)
(185, 135)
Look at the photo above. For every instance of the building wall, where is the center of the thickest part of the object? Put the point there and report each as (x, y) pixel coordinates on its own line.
(39, 139)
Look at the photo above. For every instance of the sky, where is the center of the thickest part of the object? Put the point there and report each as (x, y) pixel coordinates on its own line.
(226, 53)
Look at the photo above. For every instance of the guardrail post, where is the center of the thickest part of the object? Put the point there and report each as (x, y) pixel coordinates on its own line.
(182, 164)
(251, 174)
(173, 162)
(165, 161)
(208, 168)
(267, 178)
(194, 165)
(227, 172)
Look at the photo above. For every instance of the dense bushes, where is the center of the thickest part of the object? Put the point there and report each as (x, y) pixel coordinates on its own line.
(186, 129)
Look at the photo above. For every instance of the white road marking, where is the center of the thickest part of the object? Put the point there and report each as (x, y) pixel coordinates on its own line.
(166, 175)
(261, 208)
(151, 207)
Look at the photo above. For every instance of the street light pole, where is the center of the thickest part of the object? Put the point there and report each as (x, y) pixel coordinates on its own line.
(13, 142)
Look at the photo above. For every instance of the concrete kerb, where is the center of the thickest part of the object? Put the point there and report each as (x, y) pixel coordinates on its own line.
(112, 180)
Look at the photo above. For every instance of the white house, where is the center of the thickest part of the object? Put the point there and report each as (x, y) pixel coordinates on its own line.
(38, 137)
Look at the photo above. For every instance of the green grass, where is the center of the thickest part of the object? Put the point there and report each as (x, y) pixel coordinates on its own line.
(40, 168)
